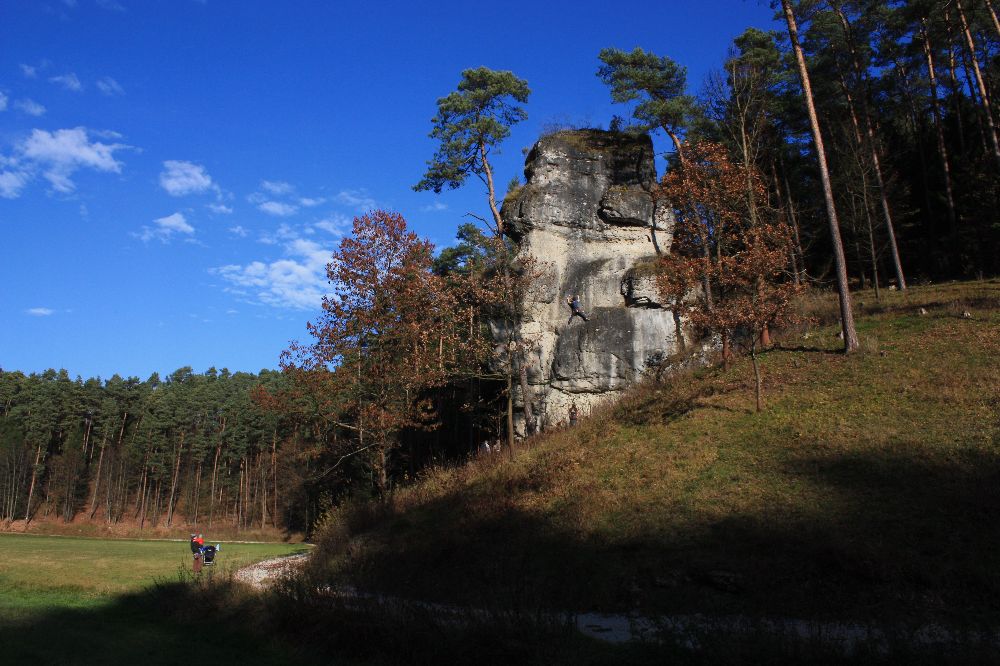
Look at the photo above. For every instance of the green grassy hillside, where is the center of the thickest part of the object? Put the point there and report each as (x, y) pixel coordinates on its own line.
(868, 489)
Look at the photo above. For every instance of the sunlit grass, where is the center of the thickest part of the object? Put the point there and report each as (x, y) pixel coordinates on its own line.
(41, 572)
(69, 600)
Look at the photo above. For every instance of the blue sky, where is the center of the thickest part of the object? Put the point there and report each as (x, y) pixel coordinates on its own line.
(175, 173)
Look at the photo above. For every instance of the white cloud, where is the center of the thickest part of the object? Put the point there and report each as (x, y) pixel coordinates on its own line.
(30, 107)
(109, 86)
(111, 5)
(175, 222)
(29, 71)
(68, 81)
(337, 225)
(59, 154)
(12, 182)
(220, 208)
(310, 202)
(360, 200)
(283, 234)
(40, 312)
(277, 187)
(3, 102)
(165, 228)
(238, 230)
(277, 208)
(297, 281)
(180, 178)
(106, 134)
(435, 207)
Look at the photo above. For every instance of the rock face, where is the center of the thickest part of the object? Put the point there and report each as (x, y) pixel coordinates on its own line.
(587, 217)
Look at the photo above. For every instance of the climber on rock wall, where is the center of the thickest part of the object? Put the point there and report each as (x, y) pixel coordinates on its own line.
(574, 304)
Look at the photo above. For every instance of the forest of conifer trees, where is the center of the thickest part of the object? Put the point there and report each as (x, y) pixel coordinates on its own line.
(904, 97)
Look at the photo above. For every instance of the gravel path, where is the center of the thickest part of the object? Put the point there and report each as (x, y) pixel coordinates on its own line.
(623, 628)
(262, 574)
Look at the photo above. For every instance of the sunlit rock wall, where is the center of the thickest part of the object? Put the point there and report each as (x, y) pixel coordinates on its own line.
(588, 218)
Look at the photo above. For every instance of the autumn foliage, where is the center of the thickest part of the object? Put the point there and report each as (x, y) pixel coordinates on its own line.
(391, 332)
(728, 241)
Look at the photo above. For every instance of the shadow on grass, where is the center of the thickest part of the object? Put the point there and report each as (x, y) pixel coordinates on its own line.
(900, 539)
(915, 532)
(222, 623)
(143, 628)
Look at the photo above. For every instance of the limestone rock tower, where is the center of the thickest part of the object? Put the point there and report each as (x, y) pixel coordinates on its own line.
(587, 216)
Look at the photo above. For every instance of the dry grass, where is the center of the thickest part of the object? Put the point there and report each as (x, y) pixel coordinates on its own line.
(95, 529)
(867, 488)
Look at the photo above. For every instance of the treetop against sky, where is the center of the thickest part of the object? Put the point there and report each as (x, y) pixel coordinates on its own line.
(175, 175)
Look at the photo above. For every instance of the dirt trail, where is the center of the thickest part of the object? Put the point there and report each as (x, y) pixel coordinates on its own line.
(262, 574)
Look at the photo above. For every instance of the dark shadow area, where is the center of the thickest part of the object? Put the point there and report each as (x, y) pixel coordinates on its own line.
(222, 623)
(914, 533)
(901, 539)
(142, 628)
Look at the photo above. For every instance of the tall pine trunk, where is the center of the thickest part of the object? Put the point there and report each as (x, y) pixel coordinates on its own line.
(859, 72)
(173, 480)
(274, 475)
(795, 227)
(984, 98)
(34, 480)
(859, 143)
(215, 470)
(783, 207)
(510, 410)
(993, 16)
(846, 313)
(938, 126)
(756, 374)
(97, 478)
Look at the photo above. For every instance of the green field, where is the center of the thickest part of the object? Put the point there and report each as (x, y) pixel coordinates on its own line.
(68, 600)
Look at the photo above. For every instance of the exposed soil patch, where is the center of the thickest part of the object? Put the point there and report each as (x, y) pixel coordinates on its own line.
(262, 574)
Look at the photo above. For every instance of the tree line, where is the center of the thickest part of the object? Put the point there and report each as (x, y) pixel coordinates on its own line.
(854, 148)
(186, 449)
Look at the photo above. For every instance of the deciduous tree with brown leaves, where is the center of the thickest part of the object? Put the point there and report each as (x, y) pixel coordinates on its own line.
(391, 331)
(750, 251)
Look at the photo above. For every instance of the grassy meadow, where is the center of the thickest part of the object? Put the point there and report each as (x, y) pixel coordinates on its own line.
(70, 600)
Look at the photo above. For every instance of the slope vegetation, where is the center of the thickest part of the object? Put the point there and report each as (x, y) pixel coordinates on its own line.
(868, 489)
